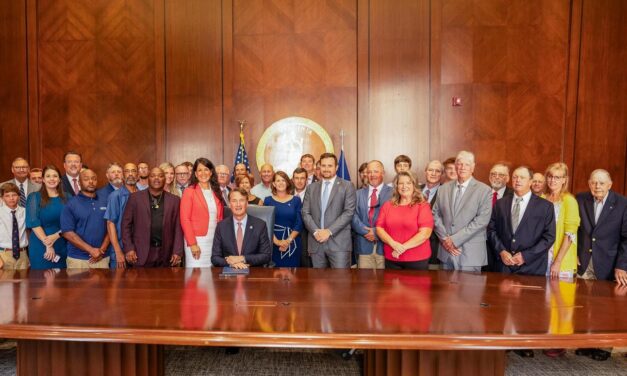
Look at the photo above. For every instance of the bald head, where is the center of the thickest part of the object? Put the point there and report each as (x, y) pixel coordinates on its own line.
(600, 184)
(88, 181)
(375, 173)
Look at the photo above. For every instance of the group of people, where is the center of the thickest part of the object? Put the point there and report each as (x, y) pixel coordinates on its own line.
(195, 214)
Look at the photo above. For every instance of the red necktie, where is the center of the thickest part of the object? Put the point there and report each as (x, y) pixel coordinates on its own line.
(240, 238)
(373, 203)
(76, 189)
(494, 197)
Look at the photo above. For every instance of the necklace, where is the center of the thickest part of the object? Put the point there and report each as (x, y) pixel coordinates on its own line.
(156, 201)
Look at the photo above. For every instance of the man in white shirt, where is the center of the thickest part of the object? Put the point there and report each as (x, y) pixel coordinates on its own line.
(21, 173)
(13, 240)
(522, 229)
(264, 189)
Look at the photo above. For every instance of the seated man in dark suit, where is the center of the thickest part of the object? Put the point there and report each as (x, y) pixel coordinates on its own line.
(240, 240)
(521, 231)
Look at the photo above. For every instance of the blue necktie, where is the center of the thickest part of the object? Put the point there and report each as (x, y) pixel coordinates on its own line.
(22, 196)
(15, 238)
(325, 199)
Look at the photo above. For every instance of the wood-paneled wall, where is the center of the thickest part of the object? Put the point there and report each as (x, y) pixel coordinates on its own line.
(156, 80)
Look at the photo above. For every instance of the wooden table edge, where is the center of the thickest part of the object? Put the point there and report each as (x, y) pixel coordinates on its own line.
(313, 340)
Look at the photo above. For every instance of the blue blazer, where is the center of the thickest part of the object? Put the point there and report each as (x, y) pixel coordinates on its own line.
(256, 247)
(360, 219)
(606, 242)
(533, 237)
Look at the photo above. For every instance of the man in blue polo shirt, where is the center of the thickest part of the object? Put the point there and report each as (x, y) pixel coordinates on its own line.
(115, 208)
(84, 226)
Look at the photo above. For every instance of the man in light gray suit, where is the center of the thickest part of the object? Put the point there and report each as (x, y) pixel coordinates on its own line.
(327, 213)
(21, 173)
(461, 215)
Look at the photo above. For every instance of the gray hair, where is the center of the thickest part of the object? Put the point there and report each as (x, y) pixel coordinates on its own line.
(465, 156)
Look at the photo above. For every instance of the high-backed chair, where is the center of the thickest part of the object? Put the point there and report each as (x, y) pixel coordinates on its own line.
(266, 214)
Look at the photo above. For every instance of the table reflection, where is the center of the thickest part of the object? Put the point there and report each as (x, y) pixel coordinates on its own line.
(310, 302)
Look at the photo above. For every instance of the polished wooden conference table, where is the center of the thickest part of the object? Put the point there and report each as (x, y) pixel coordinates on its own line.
(112, 322)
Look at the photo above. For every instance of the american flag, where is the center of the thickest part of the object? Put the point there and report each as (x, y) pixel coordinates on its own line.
(240, 155)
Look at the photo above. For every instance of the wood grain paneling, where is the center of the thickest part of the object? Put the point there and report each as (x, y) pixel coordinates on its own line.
(97, 80)
(163, 79)
(291, 58)
(508, 62)
(601, 135)
(194, 80)
(13, 85)
(398, 83)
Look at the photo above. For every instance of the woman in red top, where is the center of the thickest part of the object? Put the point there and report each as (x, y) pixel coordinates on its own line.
(404, 225)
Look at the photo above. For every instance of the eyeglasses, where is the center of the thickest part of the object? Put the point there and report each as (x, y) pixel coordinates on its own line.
(182, 174)
(23, 168)
(552, 177)
(222, 174)
(496, 174)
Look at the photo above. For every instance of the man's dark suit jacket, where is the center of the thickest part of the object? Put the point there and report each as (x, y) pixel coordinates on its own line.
(68, 188)
(256, 248)
(136, 225)
(605, 242)
(533, 238)
(491, 258)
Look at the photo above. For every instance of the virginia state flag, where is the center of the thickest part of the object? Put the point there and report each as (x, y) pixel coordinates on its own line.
(342, 170)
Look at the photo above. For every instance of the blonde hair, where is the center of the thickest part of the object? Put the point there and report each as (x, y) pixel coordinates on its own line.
(172, 187)
(416, 197)
(557, 166)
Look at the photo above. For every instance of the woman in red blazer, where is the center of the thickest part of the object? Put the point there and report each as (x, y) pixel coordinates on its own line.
(202, 207)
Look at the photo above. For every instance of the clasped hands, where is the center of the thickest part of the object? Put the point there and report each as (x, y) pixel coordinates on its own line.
(322, 235)
(96, 254)
(509, 260)
(450, 247)
(236, 262)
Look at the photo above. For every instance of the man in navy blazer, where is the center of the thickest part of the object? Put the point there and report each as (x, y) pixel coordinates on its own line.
(522, 228)
(602, 236)
(369, 248)
(602, 239)
(240, 240)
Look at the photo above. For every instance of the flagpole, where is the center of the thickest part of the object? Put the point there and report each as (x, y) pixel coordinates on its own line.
(342, 151)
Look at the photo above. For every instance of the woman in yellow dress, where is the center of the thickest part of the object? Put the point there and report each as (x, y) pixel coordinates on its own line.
(563, 253)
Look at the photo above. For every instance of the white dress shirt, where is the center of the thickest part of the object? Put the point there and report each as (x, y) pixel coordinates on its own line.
(598, 207)
(371, 188)
(500, 192)
(6, 226)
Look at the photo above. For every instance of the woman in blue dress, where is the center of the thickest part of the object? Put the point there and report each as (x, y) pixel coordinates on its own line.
(47, 249)
(288, 222)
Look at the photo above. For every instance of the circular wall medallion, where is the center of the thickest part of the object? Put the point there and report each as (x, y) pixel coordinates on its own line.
(285, 141)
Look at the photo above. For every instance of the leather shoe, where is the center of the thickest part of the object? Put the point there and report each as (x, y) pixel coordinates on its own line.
(596, 354)
(232, 350)
(525, 353)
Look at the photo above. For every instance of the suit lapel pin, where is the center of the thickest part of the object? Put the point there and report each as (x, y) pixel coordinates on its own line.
(251, 227)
